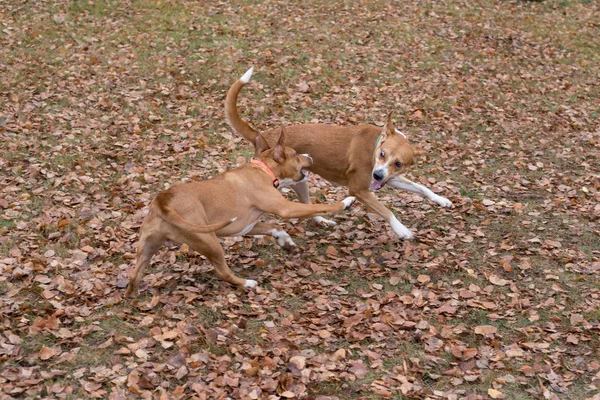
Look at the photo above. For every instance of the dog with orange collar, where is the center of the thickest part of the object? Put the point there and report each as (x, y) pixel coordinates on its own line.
(230, 204)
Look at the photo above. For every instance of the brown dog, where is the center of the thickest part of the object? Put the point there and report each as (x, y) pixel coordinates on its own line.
(361, 157)
(229, 204)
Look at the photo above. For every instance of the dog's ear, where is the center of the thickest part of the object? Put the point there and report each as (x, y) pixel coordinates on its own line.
(388, 128)
(260, 145)
(419, 151)
(279, 153)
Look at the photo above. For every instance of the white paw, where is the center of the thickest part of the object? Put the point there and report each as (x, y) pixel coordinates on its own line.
(442, 201)
(283, 239)
(348, 201)
(402, 231)
(250, 283)
(286, 242)
(324, 221)
(405, 234)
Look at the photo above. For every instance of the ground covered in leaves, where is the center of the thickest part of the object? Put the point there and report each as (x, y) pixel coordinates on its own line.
(102, 104)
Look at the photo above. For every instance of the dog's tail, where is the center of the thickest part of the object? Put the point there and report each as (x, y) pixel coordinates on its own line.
(239, 126)
(174, 218)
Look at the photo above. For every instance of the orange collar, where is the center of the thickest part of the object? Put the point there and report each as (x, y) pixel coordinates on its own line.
(266, 168)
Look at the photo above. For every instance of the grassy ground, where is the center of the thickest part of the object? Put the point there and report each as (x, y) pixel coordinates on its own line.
(102, 104)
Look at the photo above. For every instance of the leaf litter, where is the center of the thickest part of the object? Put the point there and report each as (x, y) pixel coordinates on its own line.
(104, 104)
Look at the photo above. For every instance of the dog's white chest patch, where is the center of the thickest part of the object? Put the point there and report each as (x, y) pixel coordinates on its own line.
(246, 229)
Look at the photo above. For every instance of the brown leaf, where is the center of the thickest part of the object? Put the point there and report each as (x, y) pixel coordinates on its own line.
(486, 330)
(251, 368)
(297, 363)
(284, 383)
(447, 309)
(303, 87)
(324, 334)
(497, 281)
(90, 386)
(176, 360)
(353, 320)
(358, 368)
(339, 354)
(496, 394)
(47, 353)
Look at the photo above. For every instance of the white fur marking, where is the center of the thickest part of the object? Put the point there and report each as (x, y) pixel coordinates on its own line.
(384, 167)
(246, 229)
(282, 238)
(286, 182)
(405, 184)
(442, 201)
(400, 229)
(250, 283)
(246, 77)
(401, 133)
(321, 220)
(348, 201)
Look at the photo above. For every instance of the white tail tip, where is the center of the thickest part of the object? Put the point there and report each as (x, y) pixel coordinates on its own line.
(246, 77)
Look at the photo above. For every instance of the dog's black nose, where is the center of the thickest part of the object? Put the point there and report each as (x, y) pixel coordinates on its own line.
(378, 175)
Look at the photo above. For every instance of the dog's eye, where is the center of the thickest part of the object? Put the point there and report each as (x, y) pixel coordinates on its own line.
(398, 164)
(382, 154)
(296, 154)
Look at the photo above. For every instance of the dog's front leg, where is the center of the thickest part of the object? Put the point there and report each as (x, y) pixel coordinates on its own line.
(289, 209)
(370, 200)
(301, 189)
(400, 182)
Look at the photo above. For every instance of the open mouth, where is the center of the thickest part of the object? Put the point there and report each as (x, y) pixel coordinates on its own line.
(376, 185)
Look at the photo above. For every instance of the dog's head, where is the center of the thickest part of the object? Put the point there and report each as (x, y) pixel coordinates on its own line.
(289, 163)
(393, 155)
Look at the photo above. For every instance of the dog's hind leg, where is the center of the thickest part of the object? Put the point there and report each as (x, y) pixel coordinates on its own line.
(283, 239)
(208, 245)
(301, 189)
(148, 245)
(370, 200)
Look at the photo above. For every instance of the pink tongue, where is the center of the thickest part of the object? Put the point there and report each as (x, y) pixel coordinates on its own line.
(376, 185)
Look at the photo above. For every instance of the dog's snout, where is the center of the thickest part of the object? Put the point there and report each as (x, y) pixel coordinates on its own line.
(378, 175)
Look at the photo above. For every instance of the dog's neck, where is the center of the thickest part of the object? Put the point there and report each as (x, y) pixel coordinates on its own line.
(268, 170)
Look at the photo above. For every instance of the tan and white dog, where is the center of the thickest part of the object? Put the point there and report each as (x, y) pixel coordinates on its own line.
(363, 157)
(230, 204)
